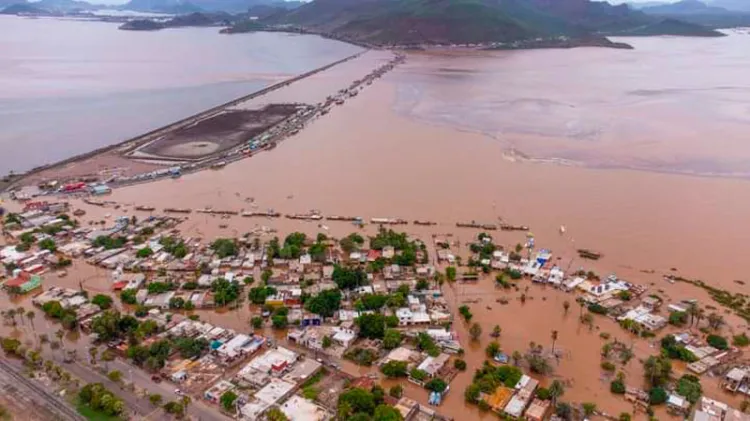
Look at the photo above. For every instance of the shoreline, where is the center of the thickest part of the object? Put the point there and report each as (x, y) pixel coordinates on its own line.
(135, 142)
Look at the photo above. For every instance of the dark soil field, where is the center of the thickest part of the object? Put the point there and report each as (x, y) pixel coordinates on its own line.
(218, 133)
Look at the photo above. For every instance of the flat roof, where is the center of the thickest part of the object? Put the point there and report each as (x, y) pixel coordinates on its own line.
(298, 408)
(302, 370)
(274, 391)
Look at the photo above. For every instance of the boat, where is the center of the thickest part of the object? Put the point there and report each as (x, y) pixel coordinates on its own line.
(588, 254)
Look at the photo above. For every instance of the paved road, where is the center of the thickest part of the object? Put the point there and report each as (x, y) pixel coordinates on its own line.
(140, 408)
(10, 375)
(140, 378)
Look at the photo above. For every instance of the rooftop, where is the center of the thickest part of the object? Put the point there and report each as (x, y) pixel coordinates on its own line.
(301, 409)
(274, 391)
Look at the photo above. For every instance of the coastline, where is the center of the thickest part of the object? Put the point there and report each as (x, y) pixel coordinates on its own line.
(135, 142)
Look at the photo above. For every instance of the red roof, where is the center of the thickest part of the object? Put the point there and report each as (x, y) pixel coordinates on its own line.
(373, 254)
(119, 285)
(15, 282)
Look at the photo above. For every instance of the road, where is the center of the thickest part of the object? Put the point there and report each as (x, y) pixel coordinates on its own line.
(140, 408)
(141, 379)
(11, 377)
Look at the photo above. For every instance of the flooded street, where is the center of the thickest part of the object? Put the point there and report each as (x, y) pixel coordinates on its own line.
(451, 138)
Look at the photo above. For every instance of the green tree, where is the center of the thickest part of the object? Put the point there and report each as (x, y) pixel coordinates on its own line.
(115, 375)
(617, 387)
(327, 342)
(657, 396)
(492, 349)
(741, 340)
(326, 303)
(657, 370)
(450, 273)
(155, 399)
(48, 244)
(678, 318)
(689, 386)
(391, 339)
(128, 296)
(396, 391)
(224, 291)
(279, 321)
(387, 413)
(394, 369)
(475, 331)
(103, 301)
(371, 326)
(224, 247)
(718, 342)
(436, 385)
(144, 252)
(589, 408)
(227, 400)
(275, 414)
(556, 390)
(418, 374)
(357, 400)
(459, 364)
(347, 278)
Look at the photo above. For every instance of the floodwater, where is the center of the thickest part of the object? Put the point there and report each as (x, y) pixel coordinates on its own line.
(71, 86)
(418, 145)
(367, 158)
(671, 105)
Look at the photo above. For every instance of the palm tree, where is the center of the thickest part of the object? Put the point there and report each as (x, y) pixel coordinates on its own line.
(692, 311)
(566, 306)
(30, 315)
(556, 389)
(554, 339)
(582, 304)
(699, 316)
(92, 353)
(496, 331)
(21, 311)
(185, 400)
(60, 334)
(517, 357)
(715, 321)
(11, 314)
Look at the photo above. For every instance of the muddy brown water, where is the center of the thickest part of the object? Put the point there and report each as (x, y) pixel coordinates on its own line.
(403, 148)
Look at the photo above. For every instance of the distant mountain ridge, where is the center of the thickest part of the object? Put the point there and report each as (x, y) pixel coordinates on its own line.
(405, 22)
(698, 12)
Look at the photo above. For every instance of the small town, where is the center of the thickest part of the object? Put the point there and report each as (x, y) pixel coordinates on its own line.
(364, 326)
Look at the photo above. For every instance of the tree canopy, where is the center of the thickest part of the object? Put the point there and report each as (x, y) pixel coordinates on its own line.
(349, 278)
(325, 304)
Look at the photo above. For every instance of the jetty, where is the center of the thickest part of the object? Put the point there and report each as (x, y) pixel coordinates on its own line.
(424, 223)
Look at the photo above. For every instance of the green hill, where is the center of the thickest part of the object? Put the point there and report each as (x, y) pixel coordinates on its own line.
(409, 22)
(428, 21)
